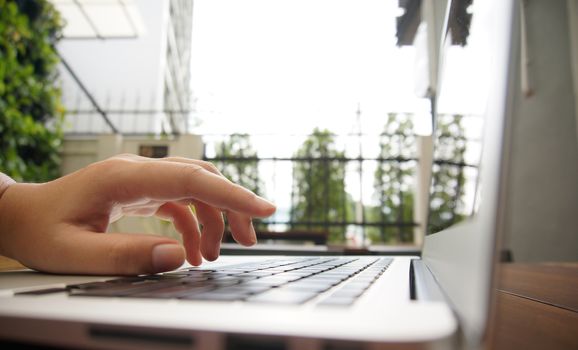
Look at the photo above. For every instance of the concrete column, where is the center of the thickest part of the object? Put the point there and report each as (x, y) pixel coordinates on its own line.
(109, 145)
(190, 146)
(422, 186)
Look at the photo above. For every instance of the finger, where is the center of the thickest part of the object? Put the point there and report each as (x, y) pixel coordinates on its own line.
(129, 180)
(186, 224)
(242, 228)
(213, 227)
(110, 254)
(241, 225)
(206, 165)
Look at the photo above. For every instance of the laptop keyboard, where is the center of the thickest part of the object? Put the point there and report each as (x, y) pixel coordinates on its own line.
(286, 281)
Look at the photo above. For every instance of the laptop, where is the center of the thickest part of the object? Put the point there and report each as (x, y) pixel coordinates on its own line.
(439, 299)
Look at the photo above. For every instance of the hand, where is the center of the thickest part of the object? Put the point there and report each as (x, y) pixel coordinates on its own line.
(60, 226)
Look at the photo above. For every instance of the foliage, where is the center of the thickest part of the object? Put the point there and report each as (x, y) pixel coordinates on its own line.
(393, 182)
(30, 109)
(319, 195)
(240, 162)
(448, 173)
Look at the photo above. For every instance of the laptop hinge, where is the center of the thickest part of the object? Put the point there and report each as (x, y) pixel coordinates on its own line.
(423, 284)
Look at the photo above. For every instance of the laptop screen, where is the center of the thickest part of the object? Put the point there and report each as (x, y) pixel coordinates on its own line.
(476, 76)
(458, 125)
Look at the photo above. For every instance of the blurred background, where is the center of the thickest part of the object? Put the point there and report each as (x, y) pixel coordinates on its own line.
(323, 107)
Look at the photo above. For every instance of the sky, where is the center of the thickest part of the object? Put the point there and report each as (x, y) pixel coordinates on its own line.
(287, 66)
(261, 66)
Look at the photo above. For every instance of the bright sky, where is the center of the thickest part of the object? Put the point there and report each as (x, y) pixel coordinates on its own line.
(287, 66)
(265, 66)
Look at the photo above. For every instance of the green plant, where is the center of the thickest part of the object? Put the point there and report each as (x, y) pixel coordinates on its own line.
(393, 186)
(240, 163)
(319, 195)
(448, 173)
(31, 112)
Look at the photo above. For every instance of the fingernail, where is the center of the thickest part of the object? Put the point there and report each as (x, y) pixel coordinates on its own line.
(167, 257)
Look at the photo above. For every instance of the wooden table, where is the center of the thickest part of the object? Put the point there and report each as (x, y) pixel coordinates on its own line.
(9, 264)
(536, 306)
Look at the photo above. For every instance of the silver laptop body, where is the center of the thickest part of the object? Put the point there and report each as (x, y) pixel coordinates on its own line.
(438, 300)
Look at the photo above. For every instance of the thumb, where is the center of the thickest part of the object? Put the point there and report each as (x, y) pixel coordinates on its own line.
(113, 254)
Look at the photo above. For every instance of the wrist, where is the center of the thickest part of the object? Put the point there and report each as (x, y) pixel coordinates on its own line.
(5, 182)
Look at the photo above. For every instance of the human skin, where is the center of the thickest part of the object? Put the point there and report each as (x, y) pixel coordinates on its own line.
(61, 226)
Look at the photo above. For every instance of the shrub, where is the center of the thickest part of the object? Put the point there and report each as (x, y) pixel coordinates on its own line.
(31, 112)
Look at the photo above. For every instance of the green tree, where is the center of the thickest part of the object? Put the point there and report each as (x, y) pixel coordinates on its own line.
(239, 162)
(319, 195)
(448, 178)
(31, 113)
(393, 182)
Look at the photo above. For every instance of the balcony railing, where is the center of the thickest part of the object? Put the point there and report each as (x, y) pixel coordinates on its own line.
(357, 217)
(377, 200)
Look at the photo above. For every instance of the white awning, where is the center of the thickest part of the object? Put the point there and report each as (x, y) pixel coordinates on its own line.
(100, 19)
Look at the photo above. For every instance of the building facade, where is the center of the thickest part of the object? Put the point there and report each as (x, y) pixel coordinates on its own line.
(140, 83)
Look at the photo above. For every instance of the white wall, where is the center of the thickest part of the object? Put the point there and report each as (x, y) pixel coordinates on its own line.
(542, 210)
(78, 152)
(573, 25)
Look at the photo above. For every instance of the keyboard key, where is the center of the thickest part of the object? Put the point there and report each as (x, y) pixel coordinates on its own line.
(216, 275)
(281, 296)
(234, 279)
(261, 282)
(313, 269)
(173, 292)
(257, 274)
(300, 273)
(122, 290)
(305, 286)
(337, 301)
(245, 290)
(366, 279)
(334, 273)
(281, 278)
(320, 279)
(193, 279)
(215, 296)
(221, 283)
(348, 293)
(357, 285)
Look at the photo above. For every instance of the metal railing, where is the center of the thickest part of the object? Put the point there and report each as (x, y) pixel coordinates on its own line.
(365, 215)
(358, 222)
